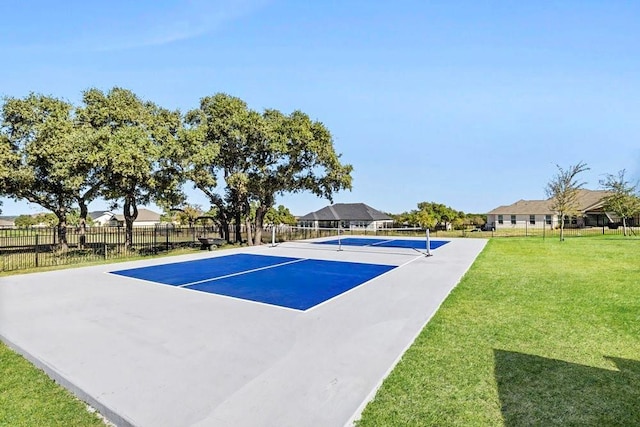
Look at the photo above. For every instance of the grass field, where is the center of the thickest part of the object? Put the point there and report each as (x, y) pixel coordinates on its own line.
(537, 333)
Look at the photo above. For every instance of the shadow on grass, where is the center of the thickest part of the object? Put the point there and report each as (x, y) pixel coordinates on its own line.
(536, 391)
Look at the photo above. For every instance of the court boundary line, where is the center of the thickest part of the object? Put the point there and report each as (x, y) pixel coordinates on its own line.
(240, 273)
(245, 300)
(361, 284)
(380, 243)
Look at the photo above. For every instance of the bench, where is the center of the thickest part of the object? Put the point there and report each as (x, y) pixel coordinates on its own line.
(206, 243)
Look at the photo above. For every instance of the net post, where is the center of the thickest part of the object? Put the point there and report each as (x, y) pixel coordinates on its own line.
(273, 236)
(428, 243)
(339, 238)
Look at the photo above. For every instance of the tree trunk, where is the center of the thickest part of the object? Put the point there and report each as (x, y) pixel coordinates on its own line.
(82, 238)
(226, 231)
(130, 215)
(238, 225)
(561, 228)
(261, 211)
(624, 226)
(247, 224)
(61, 214)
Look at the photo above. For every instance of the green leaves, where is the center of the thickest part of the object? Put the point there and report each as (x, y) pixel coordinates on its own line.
(120, 147)
(623, 200)
(563, 192)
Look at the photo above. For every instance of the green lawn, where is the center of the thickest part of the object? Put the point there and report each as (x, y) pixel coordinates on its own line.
(538, 333)
(30, 398)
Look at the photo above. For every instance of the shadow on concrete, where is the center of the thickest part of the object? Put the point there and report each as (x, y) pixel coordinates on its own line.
(537, 391)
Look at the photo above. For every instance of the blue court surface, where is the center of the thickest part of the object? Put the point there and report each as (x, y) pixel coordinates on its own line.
(296, 283)
(385, 243)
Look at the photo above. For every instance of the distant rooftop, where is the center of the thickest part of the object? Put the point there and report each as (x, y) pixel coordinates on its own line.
(346, 211)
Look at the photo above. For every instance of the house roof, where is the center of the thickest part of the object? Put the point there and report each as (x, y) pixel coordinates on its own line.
(587, 200)
(6, 222)
(591, 199)
(524, 207)
(143, 215)
(98, 214)
(347, 211)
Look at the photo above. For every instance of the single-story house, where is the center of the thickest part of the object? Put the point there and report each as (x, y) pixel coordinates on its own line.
(145, 218)
(538, 213)
(348, 216)
(7, 222)
(102, 218)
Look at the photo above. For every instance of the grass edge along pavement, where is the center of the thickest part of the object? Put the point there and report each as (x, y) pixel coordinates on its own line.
(536, 333)
(28, 397)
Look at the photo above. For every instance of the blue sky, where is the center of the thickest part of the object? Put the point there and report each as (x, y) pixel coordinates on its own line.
(471, 104)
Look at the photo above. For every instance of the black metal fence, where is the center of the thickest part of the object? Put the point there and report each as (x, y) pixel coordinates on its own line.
(24, 248)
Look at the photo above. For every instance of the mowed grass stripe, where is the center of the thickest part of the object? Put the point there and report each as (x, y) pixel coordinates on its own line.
(538, 332)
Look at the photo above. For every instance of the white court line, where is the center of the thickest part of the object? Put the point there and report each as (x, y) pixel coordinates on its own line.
(241, 273)
(379, 243)
(361, 284)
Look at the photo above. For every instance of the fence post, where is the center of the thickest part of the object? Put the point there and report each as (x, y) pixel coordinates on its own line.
(37, 242)
(104, 241)
(167, 227)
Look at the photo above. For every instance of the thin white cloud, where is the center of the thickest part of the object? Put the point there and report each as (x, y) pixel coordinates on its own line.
(120, 26)
(186, 20)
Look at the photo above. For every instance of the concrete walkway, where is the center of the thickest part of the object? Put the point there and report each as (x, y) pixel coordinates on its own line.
(145, 354)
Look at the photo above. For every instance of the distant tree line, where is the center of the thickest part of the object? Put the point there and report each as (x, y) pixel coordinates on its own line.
(437, 215)
(131, 152)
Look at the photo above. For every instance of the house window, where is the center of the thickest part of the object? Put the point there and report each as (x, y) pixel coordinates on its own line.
(547, 219)
(513, 220)
(500, 219)
(532, 219)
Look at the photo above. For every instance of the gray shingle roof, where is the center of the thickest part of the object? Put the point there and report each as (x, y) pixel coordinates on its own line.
(346, 211)
(587, 200)
(96, 214)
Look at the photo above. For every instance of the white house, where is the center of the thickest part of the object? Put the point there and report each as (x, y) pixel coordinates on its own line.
(145, 218)
(101, 218)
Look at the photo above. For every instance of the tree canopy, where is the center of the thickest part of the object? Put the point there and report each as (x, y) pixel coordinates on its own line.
(134, 138)
(40, 155)
(623, 200)
(259, 157)
(129, 151)
(563, 192)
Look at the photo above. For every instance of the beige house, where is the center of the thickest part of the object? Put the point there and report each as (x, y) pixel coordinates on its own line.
(538, 213)
(6, 223)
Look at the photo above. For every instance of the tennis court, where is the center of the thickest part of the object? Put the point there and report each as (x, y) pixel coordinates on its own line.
(300, 333)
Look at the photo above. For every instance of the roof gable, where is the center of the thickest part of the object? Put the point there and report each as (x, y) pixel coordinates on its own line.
(347, 211)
